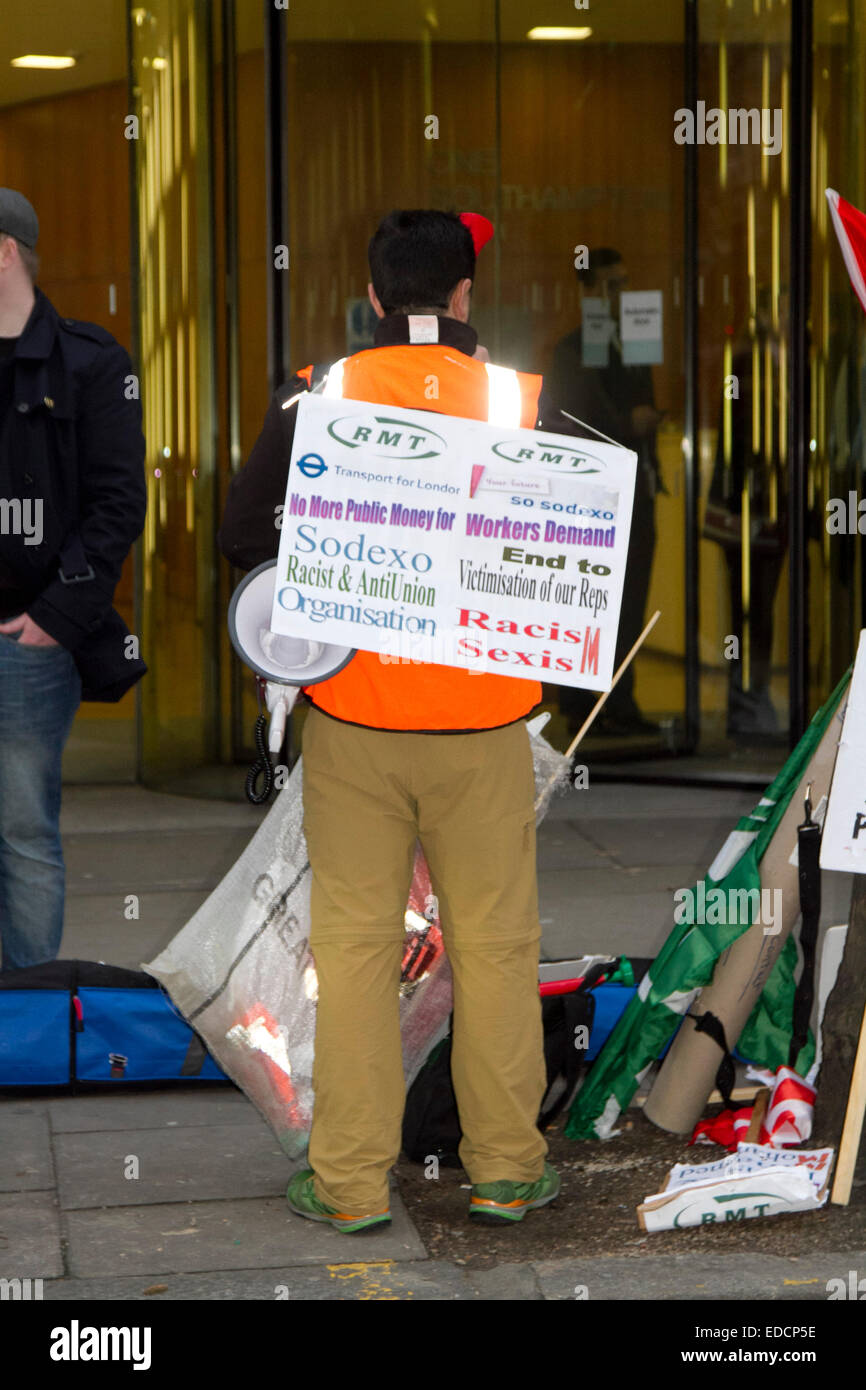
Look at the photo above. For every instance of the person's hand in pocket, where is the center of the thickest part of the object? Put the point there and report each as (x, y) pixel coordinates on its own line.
(30, 633)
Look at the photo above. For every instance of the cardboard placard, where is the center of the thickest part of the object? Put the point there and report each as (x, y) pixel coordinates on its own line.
(428, 538)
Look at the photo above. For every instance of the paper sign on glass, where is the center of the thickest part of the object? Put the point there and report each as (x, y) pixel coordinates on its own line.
(640, 326)
(596, 327)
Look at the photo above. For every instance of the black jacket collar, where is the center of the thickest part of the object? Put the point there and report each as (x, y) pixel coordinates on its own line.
(40, 330)
(393, 330)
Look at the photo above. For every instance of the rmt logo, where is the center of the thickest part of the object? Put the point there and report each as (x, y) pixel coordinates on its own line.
(380, 436)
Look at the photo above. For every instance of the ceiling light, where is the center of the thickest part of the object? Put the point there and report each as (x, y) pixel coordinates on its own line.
(43, 60)
(559, 31)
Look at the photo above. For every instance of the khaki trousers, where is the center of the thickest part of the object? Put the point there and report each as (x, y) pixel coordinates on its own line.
(368, 795)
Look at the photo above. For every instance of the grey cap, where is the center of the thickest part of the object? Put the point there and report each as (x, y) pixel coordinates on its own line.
(17, 217)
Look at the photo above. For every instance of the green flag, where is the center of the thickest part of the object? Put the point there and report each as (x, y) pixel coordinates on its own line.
(687, 960)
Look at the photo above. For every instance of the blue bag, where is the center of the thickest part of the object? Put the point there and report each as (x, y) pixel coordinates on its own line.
(72, 1021)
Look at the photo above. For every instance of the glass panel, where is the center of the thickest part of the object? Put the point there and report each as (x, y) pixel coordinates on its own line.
(590, 169)
(836, 574)
(379, 117)
(175, 240)
(377, 103)
(743, 171)
(61, 144)
(249, 277)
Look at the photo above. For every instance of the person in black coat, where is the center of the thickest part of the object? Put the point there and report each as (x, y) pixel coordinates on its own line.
(72, 503)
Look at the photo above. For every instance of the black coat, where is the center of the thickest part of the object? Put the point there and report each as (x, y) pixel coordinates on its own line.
(72, 439)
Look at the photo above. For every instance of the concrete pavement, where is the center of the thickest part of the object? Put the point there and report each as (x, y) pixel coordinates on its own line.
(104, 1197)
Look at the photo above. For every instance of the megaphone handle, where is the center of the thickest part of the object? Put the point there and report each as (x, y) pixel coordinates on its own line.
(278, 727)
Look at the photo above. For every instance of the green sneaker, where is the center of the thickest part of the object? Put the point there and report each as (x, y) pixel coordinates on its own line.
(498, 1202)
(302, 1199)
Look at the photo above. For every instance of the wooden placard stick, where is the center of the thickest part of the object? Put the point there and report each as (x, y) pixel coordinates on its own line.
(759, 1114)
(624, 665)
(853, 1127)
(547, 790)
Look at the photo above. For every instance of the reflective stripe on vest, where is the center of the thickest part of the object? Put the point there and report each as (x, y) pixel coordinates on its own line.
(505, 403)
(333, 386)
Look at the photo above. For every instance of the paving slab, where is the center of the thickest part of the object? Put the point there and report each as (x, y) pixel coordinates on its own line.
(30, 1236)
(141, 859)
(187, 1237)
(631, 925)
(659, 840)
(26, 1164)
(113, 809)
(614, 881)
(359, 1281)
(221, 1105)
(200, 1163)
(563, 846)
(614, 800)
(516, 1282)
(678, 1278)
(95, 928)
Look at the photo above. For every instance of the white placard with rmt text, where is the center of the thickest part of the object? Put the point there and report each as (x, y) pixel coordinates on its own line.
(843, 841)
(428, 538)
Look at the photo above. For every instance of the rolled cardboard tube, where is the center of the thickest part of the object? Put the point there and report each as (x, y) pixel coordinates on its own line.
(688, 1074)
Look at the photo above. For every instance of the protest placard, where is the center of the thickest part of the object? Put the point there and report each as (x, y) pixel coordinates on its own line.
(424, 537)
(843, 843)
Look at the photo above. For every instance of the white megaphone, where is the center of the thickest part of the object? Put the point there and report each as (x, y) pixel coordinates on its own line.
(285, 663)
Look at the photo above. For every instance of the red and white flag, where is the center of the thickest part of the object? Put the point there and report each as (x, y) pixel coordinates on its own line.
(850, 227)
(788, 1119)
(789, 1114)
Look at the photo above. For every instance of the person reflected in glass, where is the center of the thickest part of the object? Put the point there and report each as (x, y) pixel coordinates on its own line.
(617, 399)
(748, 466)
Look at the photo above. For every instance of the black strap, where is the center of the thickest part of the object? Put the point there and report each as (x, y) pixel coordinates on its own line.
(74, 564)
(196, 1055)
(714, 1028)
(809, 875)
(574, 1011)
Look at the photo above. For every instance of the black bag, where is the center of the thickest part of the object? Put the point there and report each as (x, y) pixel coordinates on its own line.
(431, 1125)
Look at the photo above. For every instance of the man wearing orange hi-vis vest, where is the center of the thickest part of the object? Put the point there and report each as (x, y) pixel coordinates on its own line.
(396, 752)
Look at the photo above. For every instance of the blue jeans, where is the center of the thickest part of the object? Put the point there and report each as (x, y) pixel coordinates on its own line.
(40, 690)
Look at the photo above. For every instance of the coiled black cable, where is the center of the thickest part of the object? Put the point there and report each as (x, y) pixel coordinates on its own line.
(262, 767)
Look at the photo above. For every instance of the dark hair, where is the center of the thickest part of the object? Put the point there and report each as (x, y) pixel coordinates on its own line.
(417, 257)
(599, 259)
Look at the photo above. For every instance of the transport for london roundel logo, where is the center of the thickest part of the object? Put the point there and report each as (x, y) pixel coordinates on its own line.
(312, 465)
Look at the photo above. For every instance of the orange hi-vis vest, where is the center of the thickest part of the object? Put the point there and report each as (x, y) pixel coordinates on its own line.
(382, 692)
